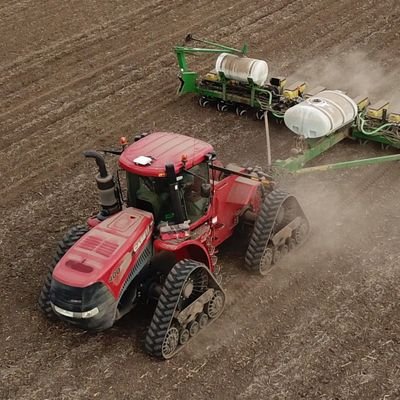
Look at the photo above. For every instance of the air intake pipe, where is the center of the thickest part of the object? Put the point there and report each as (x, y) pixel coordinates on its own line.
(109, 199)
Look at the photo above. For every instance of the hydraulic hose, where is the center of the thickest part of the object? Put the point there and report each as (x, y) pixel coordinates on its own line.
(280, 115)
(274, 113)
(374, 131)
(260, 102)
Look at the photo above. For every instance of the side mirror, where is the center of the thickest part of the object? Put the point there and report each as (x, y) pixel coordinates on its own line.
(205, 190)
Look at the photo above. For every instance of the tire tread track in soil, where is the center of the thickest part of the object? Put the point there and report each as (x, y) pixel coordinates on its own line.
(79, 108)
(113, 73)
(72, 110)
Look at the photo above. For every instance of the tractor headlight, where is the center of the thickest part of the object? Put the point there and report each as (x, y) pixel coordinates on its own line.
(74, 314)
(91, 313)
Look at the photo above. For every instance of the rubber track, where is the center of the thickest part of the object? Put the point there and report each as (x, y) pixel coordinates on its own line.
(263, 228)
(69, 239)
(166, 306)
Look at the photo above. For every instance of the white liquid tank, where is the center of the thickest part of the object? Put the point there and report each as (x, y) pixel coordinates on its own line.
(322, 114)
(242, 68)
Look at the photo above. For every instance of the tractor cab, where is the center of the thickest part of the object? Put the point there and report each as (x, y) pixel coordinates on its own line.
(168, 175)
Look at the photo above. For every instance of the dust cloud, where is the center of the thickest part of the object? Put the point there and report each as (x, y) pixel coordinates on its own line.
(355, 73)
(339, 211)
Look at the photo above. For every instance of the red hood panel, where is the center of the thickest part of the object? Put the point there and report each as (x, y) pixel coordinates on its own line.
(99, 251)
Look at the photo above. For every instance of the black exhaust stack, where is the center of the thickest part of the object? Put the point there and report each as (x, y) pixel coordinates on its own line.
(109, 199)
(174, 193)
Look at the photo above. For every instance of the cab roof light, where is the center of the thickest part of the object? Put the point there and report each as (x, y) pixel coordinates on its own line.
(123, 141)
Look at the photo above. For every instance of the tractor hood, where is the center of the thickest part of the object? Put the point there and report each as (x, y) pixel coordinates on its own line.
(107, 251)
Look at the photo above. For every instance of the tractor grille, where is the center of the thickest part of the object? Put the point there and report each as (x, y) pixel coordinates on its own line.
(78, 299)
(142, 261)
(103, 247)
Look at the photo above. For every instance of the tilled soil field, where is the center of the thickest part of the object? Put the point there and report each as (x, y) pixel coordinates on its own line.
(76, 75)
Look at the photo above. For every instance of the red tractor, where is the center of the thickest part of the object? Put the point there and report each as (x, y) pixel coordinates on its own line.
(156, 240)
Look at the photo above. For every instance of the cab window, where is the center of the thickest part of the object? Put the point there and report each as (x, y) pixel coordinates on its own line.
(196, 196)
(150, 194)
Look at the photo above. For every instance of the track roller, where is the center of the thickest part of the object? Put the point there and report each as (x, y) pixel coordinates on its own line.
(284, 250)
(194, 328)
(202, 320)
(191, 299)
(301, 232)
(184, 336)
(291, 244)
(280, 227)
(277, 256)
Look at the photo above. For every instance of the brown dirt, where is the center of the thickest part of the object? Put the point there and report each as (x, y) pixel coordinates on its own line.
(77, 75)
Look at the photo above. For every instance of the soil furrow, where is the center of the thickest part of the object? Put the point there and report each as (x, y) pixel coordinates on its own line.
(325, 324)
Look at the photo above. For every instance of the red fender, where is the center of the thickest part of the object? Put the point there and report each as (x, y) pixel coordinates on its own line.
(191, 249)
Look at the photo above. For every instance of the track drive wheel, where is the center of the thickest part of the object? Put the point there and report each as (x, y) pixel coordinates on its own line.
(278, 211)
(216, 305)
(171, 341)
(301, 232)
(190, 300)
(266, 262)
(69, 239)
